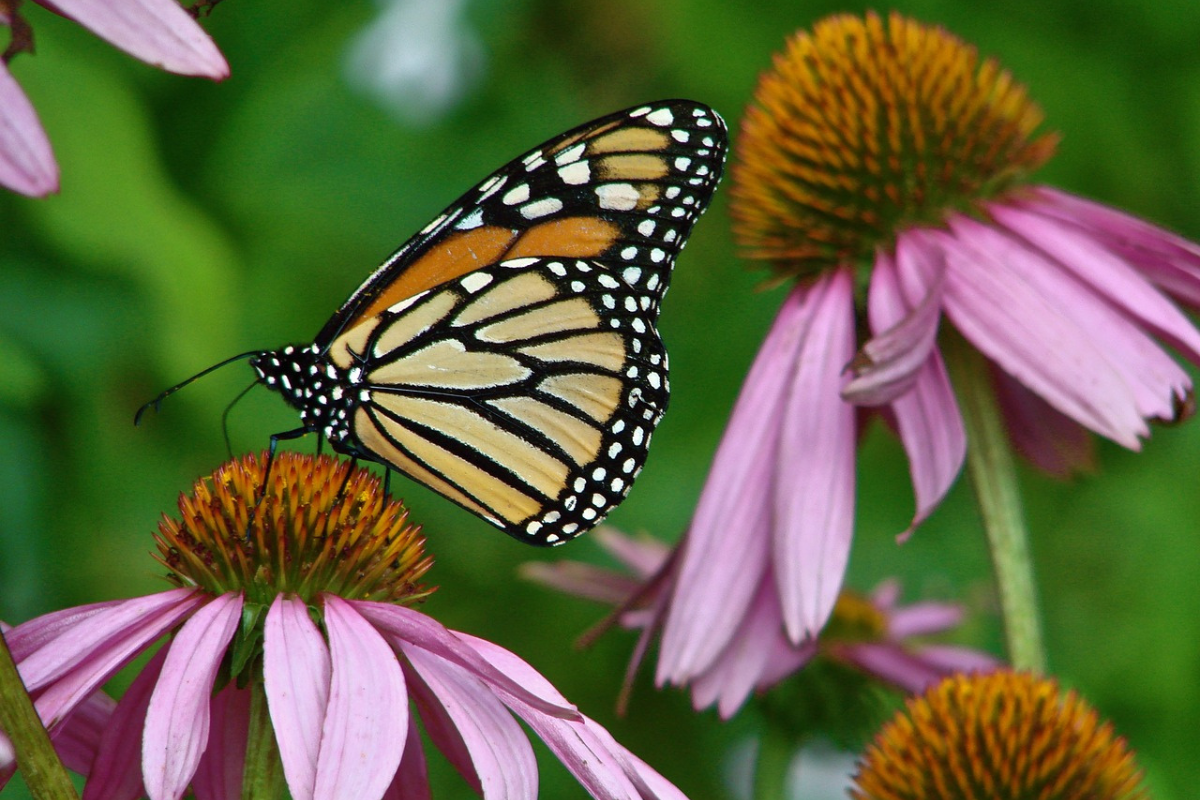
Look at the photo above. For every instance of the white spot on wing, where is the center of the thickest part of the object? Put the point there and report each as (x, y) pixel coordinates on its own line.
(662, 117)
(576, 173)
(476, 281)
(542, 207)
(617, 196)
(517, 194)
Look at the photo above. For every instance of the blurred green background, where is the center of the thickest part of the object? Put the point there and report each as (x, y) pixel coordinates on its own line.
(199, 220)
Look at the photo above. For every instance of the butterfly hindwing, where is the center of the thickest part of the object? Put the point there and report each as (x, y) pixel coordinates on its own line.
(625, 189)
(526, 392)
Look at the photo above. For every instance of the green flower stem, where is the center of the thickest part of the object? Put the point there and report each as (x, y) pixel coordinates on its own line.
(263, 778)
(993, 474)
(44, 774)
(775, 750)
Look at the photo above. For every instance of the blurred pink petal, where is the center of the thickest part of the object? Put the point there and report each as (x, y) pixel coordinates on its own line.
(26, 161)
(366, 723)
(922, 619)
(892, 664)
(814, 478)
(950, 659)
(472, 728)
(726, 550)
(177, 720)
(1047, 438)
(117, 774)
(296, 670)
(219, 776)
(644, 555)
(158, 32)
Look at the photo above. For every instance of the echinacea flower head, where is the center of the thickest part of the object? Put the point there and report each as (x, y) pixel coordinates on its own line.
(885, 168)
(159, 32)
(299, 587)
(873, 635)
(1000, 736)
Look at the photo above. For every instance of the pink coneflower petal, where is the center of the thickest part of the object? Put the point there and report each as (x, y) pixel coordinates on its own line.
(219, 776)
(85, 656)
(950, 659)
(921, 619)
(1113, 278)
(366, 723)
(77, 739)
(737, 492)
(472, 728)
(575, 742)
(1010, 318)
(814, 477)
(904, 336)
(1169, 261)
(404, 626)
(412, 778)
(1049, 439)
(736, 673)
(892, 664)
(26, 161)
(644, 555)
(1151, 377)
(35, 634)
(177, 721)
(116, 773)
(158, 32)
(582, 580)
(927, 417)
(296, 671)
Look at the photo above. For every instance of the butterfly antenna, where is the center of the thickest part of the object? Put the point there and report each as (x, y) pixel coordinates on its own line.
(225, 417)
(157, 402)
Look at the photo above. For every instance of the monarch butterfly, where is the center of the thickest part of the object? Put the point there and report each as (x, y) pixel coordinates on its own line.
(507, 356)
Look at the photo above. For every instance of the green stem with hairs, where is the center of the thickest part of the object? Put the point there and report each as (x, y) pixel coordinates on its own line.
(992, 468)
(263, 778)
(44, 775)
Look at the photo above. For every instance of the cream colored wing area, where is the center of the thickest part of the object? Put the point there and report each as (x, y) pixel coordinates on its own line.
(533, 465)
(413, 322)
(347, 348)
(511, 294)
(594, 395)
(564, 315)
(447, 363)
(579, 439)
(604, 350)
(370, 435)
(445, 471)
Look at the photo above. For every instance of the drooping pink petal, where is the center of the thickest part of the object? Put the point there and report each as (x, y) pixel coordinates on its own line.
(659, 787)
(367, 719)
(1169, 261)
(813, 479)
(950, 659)
(34, 634)
(1047, 438)
(412, 778)
(926, 417)
(117, 771)
(725, 550)
(177, 720)
(401, 625)
(582, 580)
(903, 336)
(643, 555)
(1152, 378)
(1033, 336)
(922, 619)
(574, 741)
(296, 672)
(219, 776)
(740, 667)
(650, 785)
(27, 163)
(1110, 276)
(472, 728)
(158, 32)
(81, 659)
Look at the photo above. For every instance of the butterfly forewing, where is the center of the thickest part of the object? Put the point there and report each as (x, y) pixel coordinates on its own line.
(625, 189)
(526, 392)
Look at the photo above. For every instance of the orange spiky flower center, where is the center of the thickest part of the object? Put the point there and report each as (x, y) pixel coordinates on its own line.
(317, 526)
(863, 128)
(997, 736)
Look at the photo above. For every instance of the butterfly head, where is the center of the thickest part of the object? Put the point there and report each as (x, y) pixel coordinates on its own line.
(325, 395)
